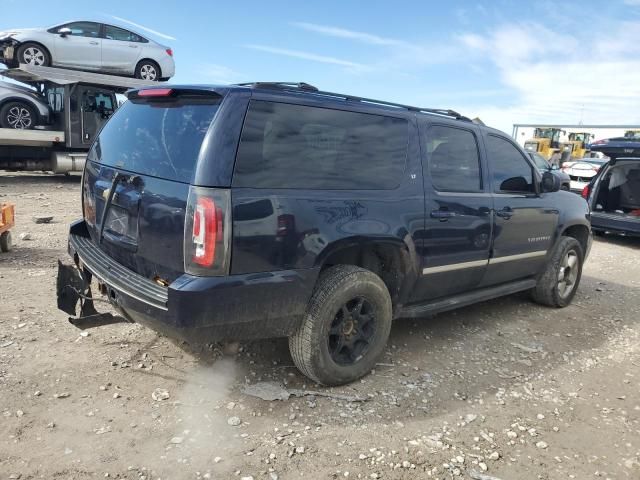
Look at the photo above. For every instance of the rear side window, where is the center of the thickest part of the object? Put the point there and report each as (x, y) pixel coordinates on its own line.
(511, 171)
(115, 33)
(454, 163)
(160, 139)
(293, 146)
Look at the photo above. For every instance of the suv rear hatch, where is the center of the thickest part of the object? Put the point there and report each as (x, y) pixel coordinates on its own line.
(137, 178)
(616, 198)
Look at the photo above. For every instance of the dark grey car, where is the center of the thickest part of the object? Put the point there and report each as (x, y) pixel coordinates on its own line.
(21, 107)
(544, 166)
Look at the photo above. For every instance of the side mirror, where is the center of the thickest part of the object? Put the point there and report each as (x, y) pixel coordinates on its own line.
(64, 31)
(550, 182)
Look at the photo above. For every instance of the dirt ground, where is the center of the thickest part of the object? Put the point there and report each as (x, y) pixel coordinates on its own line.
(505, 388)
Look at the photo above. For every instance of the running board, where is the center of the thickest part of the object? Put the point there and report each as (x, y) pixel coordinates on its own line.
(462, 300)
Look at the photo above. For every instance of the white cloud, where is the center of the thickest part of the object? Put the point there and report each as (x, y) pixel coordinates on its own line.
(308, 56)
(146, 29)
(561, 78)
(350, 34)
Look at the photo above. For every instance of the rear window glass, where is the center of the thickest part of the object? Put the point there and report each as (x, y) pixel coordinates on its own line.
(157, 139)
(294, 146)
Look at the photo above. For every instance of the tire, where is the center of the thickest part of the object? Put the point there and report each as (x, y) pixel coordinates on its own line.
(148, 70)
(5, 242)
(345, 298)
(18, 115)
(558, 284)
(565, 187)
(33, 54)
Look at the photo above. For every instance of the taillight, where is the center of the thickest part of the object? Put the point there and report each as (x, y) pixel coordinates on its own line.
(586, 191)
(207, 232)
(169, 52)
(286, 225)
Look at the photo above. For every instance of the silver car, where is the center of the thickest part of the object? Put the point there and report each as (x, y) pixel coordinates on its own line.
(91, 46)
(21, 107)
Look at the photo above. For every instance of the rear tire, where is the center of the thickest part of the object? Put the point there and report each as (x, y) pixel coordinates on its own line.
(5, 242)
(148, 70)
(33, 54)
(345, 327)
(18, 115)
(558, 284)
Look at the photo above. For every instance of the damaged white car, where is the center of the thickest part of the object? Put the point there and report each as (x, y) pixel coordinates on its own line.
(90, 46)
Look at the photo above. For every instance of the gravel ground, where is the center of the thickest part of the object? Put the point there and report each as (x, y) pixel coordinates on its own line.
(506, 388)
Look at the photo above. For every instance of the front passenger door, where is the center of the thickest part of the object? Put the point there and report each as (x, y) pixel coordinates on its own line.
(81, 48)
(524, 220)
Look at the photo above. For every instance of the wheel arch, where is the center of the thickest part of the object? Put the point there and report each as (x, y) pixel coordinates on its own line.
(29, 102)
(393, 260)
(147, 59)
(35, 42)
(581, 233)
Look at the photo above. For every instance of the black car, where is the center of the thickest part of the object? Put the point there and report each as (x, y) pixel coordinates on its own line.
(278, 210)
(614, 197)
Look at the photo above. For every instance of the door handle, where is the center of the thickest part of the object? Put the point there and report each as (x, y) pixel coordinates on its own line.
(442, 215)
(93, 43)
(133, 46)
(506, 213)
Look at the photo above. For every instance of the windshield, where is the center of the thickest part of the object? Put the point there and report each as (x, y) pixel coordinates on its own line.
(540, 162)
(551, 133)
(634, 134)
(157, 139)
(579, 137)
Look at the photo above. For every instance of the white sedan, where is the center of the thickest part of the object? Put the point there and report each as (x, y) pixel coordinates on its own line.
(582, 171)
(91, 46)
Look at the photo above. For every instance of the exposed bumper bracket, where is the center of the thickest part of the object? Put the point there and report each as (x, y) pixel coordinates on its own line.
(74, 286)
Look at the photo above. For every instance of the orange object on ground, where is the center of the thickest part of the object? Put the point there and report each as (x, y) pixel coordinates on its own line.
(7, 221)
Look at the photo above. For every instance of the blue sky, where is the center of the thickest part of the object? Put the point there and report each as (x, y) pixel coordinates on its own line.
(505, 61)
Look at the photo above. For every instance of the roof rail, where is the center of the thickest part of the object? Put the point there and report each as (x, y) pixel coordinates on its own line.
(283, 85)
(302, 86)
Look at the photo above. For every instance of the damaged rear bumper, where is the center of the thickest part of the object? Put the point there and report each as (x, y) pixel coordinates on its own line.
(196, 309)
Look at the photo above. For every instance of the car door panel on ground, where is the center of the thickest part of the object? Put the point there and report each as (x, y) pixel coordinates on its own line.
(458, 221)
(524, 220)
(82, 48)
(120, 49)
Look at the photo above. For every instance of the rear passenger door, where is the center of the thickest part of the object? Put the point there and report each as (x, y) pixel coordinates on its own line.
(524, 220)
(458, 224)
(120, 49)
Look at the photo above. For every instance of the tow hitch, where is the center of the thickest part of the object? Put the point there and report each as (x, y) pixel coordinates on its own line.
(73, 286)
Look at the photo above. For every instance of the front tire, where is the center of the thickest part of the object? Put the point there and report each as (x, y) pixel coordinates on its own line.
(18, 115)
(558, 284)
(33, 54)
(345, 327)
(148, 70)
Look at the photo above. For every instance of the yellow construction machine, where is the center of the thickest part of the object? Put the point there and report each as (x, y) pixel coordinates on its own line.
(545, 141)
(577, 146)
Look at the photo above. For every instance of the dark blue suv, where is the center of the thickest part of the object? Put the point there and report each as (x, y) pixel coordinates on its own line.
(271, 209)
